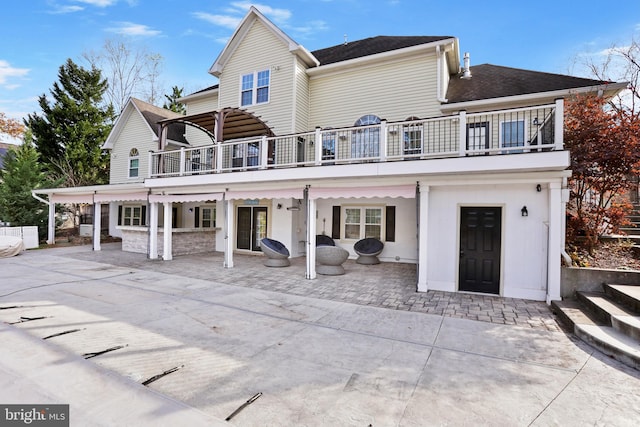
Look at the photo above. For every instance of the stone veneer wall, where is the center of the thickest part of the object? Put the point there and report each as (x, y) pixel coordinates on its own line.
(184, 242)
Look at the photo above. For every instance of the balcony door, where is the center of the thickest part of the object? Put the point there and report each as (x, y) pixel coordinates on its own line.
(252, 227)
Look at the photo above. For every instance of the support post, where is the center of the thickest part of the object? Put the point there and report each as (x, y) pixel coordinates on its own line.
(97, 225)
(51, 224)
(384, 141)
(423, 244)
(556, 216)
(311, 238)
(462, 116)
(318, 147)
(153, 230)
(558, 132)
(228, 233)
(167, 242)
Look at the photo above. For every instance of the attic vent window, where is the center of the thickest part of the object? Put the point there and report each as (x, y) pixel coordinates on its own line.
(254, 88)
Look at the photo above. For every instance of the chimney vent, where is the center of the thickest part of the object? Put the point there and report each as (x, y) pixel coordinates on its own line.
(466, 71)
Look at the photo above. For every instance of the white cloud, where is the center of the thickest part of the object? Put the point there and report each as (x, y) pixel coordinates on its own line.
(60, 10)
(98, 3)
(132, 29)
(278, 15)
(7, 72)
(220, 20)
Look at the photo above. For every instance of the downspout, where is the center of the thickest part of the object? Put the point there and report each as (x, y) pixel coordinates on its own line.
(38, 198)
(565, 199)
(439, 65)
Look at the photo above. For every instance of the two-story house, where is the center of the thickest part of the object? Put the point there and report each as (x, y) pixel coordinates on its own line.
(460, 170)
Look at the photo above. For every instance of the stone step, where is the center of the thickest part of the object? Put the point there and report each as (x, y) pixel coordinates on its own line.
(632, 231)
(610, 313)
(604, 338)
(627, 295)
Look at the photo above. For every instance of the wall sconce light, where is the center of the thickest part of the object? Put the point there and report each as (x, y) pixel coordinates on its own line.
(524, 211)
(190, 209)
(279, 206)
(536, 122)
(538, 188)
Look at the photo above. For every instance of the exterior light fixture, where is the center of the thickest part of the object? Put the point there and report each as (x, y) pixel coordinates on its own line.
(524, 211)
(538, 188)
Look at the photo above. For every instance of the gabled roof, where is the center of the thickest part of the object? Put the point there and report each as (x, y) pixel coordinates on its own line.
(151, 115)
(492, 81)
(371, 46)
(243, 29)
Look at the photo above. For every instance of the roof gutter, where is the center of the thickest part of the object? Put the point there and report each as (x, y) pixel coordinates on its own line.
(610, 88)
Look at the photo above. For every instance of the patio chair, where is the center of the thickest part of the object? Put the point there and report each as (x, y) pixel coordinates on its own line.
(330, 259)
(324, 240)
(276, 252)
(368, 250)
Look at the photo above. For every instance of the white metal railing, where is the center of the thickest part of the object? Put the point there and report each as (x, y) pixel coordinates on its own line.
(520, 130)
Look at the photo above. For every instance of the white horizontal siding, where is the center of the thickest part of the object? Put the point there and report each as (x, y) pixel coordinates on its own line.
(301, 123)
(135, 134)
(262, 50)
(195, 136)
(393, 91)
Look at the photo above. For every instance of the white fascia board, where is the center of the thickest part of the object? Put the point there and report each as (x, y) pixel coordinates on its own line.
(119, 125)
(539, 97)
(377, 58)
(552, 161)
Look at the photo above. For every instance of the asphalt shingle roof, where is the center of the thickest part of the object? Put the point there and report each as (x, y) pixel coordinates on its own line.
(153, 115)
(493, 81)
(370, 46)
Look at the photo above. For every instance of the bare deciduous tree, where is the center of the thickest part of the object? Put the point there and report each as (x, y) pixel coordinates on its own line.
(130, 71)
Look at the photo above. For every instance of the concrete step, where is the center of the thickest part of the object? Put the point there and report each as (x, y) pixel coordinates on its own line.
(611, 313)
(627, 295)
(586, 326)
(632, 231)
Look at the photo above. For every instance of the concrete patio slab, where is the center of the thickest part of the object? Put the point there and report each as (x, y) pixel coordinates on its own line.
(317, 360)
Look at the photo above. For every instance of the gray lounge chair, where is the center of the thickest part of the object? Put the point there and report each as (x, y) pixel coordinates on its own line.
(368, 250)
(330, 259)
(276, 252)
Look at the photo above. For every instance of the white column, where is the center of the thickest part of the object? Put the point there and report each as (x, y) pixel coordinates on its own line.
(228, 234)
(558, 132)
(556, 216)
(311, 239)
(153, 230)
(423, 244)
(463, 133)
(318, 147)
(167, 249)
(51, 224)
(97, 225)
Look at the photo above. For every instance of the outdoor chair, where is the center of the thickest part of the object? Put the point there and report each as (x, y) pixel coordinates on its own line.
(277, 254)
(330, 259)
(368, 250)
(324, 240)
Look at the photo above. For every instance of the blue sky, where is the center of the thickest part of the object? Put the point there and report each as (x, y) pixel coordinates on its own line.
(39, 35)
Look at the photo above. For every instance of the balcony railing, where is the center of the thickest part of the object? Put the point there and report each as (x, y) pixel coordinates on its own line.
(522, 130)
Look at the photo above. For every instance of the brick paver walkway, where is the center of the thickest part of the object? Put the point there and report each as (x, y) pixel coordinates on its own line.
(387, 285)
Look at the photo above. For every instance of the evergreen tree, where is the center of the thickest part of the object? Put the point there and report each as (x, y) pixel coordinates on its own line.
(174, 105)
(20, 174)
(71, 130)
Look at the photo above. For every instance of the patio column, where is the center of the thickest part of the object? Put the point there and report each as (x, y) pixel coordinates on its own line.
(51, 224)
(167, 242)
(228, 233)
(423, 225)
(311, 239)
(153, 230)
(97, 225)
(556, 216)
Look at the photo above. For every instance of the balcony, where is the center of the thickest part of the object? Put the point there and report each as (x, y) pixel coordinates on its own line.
(503, 132)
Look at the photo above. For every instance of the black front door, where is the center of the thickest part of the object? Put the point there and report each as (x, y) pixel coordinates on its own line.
(480, 238)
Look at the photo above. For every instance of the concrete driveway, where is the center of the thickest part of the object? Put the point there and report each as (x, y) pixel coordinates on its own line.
(316, 361)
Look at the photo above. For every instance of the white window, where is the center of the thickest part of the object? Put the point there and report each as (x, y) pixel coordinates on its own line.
(205, 217)
(478, 137)
(412, 137)
(133, 215)
(366, 142)
(254, 88)
(363, 221)
(512, 134)
(134, 163)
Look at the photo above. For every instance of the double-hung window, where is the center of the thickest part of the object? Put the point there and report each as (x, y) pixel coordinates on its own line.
(363, 221)
(205, 217)
(135, 215)
(134, 163)
(254, 88)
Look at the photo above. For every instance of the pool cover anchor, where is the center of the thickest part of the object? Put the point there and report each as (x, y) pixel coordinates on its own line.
(157, 377)
(244, 405)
